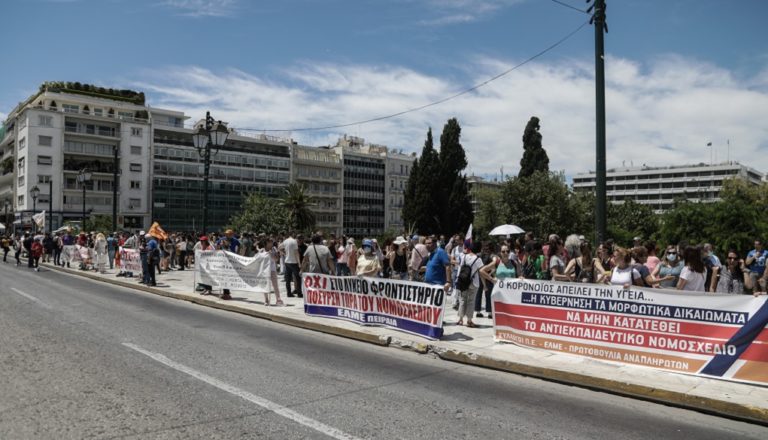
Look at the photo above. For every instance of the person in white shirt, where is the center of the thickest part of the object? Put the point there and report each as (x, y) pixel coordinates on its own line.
(694, 274)
(624, 274)
(292, 274)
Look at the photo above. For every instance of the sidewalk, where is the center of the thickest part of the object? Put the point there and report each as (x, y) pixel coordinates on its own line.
(475, 346)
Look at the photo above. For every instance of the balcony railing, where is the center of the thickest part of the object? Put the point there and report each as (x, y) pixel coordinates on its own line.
(103, 114)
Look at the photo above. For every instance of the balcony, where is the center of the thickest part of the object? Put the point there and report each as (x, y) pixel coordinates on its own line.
(92, 114)
(92, 130)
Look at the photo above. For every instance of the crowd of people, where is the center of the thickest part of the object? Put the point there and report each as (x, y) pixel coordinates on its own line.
(468, 268)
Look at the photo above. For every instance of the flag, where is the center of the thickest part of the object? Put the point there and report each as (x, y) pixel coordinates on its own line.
(39, 219)
(156, 231)
(469, 233)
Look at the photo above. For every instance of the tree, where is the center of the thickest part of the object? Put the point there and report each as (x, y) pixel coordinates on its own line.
(420, 207)
(631, 219)
(297, 203)
(261, 214)
(686, 221)
(534, 155)
(541, 203)
(455, 213)
(98, 223)
(490, 210)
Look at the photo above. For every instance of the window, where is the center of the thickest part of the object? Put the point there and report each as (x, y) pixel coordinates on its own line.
(20, 199)
(135, 184)
(43, 179)
(22, 143)
(44, 160)
(134, 203)
(45, 141)
(135, 131)
(136, 167)
(45, 121)
(21, 182)
(98, 112)
(136, 149)
(21, 166)
(70, 108)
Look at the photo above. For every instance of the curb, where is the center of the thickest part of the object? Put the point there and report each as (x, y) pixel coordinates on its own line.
(708, 405)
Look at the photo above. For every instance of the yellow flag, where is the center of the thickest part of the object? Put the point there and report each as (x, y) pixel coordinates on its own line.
(157, 232)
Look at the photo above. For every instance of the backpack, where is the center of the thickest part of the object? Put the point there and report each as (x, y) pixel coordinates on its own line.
(464, 280)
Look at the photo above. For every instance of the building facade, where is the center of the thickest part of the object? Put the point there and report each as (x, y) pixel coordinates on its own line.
(319, 170)
(398, 168)
(243, 165)
(660, 187)
(60, 131)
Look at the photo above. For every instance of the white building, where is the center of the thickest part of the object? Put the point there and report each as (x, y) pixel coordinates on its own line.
(68, 127)
(660, 187)
(398, 169)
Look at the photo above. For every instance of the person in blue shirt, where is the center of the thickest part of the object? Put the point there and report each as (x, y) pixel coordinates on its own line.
(112, 249)
(756, 264)
(153, 256)
(438, 270)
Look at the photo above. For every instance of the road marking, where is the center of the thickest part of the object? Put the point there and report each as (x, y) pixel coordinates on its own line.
(260, 401)
(31, 298)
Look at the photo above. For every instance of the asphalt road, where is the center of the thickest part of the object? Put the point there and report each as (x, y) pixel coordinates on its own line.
(81, 359)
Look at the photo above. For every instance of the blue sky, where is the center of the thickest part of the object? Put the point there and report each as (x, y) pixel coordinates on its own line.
(679, 73)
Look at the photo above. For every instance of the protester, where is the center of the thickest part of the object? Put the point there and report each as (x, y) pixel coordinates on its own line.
(153, 257)
(112, 249)
(48, 246)
(755, 262)
(398, 259)
(6, 245)
(693, 275)
(265, 247)
(419, 257)
(585, 268)
(640, 255)
(317, 257)
(204, 244)
(368, 264)
(18, 245)
(36, 251)
(230, 243)
(437, 269)
(667, 272)
(468, 282)
(556, 263)
(100, 246)
(653, 260)
(534, 264)
(486, 286)
(292, 274)
(624, 274)
(731, 275)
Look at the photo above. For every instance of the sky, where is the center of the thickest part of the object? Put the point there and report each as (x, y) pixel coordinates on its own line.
(679, 73)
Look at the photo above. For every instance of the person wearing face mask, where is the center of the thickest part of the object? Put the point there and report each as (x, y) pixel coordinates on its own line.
(668, 270)
(368, 264)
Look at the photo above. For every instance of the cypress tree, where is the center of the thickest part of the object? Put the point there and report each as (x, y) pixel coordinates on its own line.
(534, 155)
(451, 189)
(420, 207)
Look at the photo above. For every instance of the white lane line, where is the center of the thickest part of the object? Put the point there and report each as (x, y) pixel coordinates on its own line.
(260, 401)
(31, 298)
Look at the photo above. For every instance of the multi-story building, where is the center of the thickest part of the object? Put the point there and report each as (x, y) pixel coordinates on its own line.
(476, 184)
(398, 168)
(63, 129)
(660, 187)
(319, 170)
(245, 164)
(364, 210)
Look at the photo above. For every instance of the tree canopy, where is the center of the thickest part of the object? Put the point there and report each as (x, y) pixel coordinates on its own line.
(534, 155)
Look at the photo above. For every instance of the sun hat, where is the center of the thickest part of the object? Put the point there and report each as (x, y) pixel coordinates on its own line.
(203, 238)
(368, 243)
(400, 240)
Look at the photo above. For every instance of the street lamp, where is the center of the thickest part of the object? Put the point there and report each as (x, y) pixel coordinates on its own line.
(83, 176)
(204, 139)
(34, 192)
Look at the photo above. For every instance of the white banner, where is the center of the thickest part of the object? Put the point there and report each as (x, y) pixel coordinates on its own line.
(225, 270)
(71, 254)
(39, 219)
(722, 336)
(130, 261)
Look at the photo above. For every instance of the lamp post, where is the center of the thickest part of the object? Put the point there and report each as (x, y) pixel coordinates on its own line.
(83, 176)
(34, 192)
(114, 191)
(212, 135)
(7, 203)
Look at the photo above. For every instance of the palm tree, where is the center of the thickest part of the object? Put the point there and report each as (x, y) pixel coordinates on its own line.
(297, 202)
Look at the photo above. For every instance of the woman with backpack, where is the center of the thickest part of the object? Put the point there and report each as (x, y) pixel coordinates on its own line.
(585, 268)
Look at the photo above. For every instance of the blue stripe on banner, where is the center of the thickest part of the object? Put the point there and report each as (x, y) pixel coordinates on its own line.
(741, 340)
(362, 318)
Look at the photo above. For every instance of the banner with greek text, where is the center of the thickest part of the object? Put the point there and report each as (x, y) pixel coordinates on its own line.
(416, 308)
(130, 260)
(721, 336)
(226, 270)
(75, 253)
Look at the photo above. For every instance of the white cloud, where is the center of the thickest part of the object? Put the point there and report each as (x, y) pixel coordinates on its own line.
(463, 11)
(202, 8)
(659, 114)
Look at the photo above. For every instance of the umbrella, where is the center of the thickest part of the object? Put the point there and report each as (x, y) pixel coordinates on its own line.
(506, 230)
(2, 227)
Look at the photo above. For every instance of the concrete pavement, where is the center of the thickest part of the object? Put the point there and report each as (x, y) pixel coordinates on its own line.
(475, 346)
